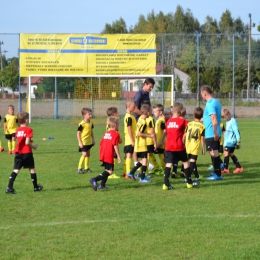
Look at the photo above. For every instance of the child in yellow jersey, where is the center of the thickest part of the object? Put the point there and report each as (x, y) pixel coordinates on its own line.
(193, 137)
(129, 133)
(113, 111)
(160, 135)
(10, 127)
(140, 144)
(86, 139)
(1, 148)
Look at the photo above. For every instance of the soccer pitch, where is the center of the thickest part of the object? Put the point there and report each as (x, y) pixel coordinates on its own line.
(68, 220)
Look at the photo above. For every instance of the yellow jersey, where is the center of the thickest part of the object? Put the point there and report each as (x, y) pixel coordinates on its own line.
(150, 126)
(140, 142)
(11, 122)
(129, 120)
(85, 129)
(194, 130)
(159, 130)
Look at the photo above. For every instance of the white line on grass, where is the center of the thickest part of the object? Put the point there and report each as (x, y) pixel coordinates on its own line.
(79, 222)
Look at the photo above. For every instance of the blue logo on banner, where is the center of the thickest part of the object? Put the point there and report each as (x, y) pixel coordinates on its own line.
(77, 40)
(95, 40)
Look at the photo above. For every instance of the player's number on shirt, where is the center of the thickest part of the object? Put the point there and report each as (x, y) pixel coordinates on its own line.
(194, 135)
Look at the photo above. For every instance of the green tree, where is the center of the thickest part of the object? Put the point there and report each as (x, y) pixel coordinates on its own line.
(10, 74)
(118, 26)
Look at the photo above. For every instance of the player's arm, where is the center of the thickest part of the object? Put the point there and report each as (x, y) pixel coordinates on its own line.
(92, 136)
(214, 121)
(141, 132)
(202, 141)
(79, 136)
(151, 124)
(117, 153)
(129, 130)
(5, 125)
(29, 143)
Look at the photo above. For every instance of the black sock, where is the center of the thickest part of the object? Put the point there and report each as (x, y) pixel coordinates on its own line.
(103, 182)
(144, 167)
(138, 165)
(188, 175)
(216, 164)
(167, 172)
(11, 180)
(34, 180)
(102, 176)
(226, 162)
(235, 161)
(174, 168)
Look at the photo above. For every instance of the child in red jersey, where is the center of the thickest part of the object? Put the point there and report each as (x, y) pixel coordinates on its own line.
(174, 147)
(23, 153)
(108, 146)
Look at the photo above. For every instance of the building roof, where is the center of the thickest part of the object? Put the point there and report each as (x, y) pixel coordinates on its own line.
(34, 80)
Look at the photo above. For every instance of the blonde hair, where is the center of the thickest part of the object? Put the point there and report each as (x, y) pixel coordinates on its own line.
(225, 112)
(112, 121)
(145, 109)
(129, 102)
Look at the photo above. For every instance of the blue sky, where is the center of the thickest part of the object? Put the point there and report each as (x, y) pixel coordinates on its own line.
(84, 16)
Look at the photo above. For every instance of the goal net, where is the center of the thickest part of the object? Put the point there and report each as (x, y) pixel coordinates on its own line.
(65, 96)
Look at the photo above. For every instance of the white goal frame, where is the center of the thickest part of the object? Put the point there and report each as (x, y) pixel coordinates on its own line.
(29, 94)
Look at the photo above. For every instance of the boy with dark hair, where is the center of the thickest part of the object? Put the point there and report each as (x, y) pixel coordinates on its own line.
(23, 153)
(85, 136)
(108, 146)
(193, 137)
(140, 144)
(174, 148)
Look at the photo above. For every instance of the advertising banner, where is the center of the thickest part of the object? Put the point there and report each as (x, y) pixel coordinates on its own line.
(90, 54)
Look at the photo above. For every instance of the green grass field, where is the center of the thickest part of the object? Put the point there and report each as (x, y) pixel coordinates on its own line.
(68, 220)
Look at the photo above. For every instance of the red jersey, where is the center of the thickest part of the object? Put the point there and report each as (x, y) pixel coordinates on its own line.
(175, 128)
(107, 143)
(22, 133)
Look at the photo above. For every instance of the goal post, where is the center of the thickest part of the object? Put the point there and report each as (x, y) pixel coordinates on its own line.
(95, 91)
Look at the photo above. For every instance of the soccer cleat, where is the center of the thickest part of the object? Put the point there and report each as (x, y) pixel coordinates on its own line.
(138, 175)
(225, 171)
(38, 188)
(210, 168)
(144, 180)
(238, 170)
(131, 176)
(93, 183)
(1, 149)
(87, 170)
(79, 171)
(10, 191)
(113, 176)
(167, 188)
(174, 175)
(123, 175)
(214, 177)
(182, 175)
(193, 184)
(101, 187)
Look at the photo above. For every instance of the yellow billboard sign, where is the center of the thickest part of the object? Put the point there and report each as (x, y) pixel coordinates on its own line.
(90, 54)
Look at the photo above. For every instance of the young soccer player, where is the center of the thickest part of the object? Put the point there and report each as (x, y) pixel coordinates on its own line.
(113, 111)
(193, 137)
(174, 147)
(23, 153)
(85, 136)
(108, 146)
(160, 136)
(10, 127)
(140, 144)
(1, 147)
(167, 113)
(232, 141)
(129, 133)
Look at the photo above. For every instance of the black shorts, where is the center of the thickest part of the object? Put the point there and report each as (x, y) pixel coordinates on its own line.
(192, 156)
(220, 148)
(85, 148)
(141, 155)
(108, 166)
(23, 161)
(10, 136)
(150, 148)
(173, 157)
(129, 149)
(211, 144)
(159, 151)
(229, 149)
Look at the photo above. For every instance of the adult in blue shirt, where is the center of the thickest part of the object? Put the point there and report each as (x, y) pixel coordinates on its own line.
(142, 95)
(211, 121)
